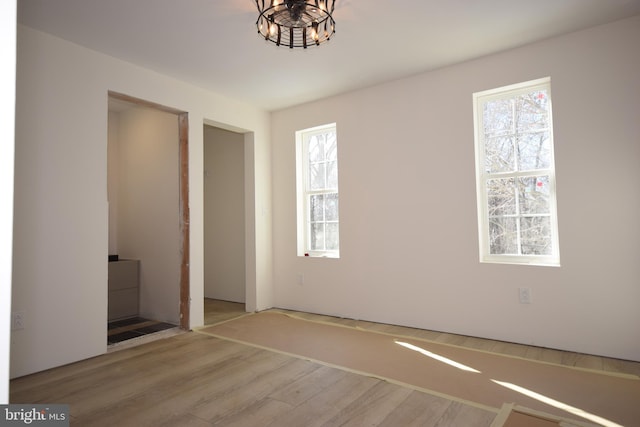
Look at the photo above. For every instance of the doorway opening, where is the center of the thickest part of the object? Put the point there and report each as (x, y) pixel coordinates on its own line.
(224, 223)
(148, 218)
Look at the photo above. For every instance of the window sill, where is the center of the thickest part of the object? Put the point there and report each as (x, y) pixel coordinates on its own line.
(322, 255)
(545, 262)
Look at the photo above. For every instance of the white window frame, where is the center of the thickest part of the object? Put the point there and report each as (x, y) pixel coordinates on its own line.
(482, 176)
(303, 193)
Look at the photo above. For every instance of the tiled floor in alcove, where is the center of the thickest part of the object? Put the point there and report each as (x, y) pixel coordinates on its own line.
(134, 327)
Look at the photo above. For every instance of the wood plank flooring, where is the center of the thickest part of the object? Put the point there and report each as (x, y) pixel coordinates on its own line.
(196, 380)
(216, 311)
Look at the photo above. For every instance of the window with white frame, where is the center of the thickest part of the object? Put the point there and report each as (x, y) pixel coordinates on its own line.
(317, 170)
(515, 174)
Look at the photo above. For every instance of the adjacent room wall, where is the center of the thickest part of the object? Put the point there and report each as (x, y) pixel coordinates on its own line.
(61, 210)
(408, 232)
(148, 225)
(113, 179)
(224, 225)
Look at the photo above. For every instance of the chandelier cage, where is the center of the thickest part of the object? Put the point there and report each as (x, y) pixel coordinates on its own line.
(296, 23)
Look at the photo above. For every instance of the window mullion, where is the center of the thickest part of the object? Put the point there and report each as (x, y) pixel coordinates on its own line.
(523, 174)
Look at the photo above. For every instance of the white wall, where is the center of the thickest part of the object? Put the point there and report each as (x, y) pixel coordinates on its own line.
(113, 178)
(7, 117)
(409, 245)
(61, 212)
(148, 225)
(224, 225)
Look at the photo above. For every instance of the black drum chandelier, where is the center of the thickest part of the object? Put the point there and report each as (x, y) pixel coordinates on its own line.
(296, 23)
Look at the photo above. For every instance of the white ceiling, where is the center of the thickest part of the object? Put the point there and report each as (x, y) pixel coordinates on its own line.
(214, 43)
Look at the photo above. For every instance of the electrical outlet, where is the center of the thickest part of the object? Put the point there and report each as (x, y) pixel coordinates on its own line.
(17, 320)
(525, 295)
(300, 279)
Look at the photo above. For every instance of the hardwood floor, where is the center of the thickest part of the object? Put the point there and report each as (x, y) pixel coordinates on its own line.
(196, 380)
(216, 311)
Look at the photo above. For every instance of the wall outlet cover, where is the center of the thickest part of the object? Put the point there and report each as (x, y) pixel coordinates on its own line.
(525, 295)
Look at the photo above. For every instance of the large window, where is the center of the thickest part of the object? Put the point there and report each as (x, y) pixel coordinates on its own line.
(317, 168)
(515, 174)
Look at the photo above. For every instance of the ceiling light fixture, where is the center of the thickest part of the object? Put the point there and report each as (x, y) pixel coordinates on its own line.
(296, 23)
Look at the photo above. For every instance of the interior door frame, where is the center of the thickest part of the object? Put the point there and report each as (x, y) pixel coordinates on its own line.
(183, 136)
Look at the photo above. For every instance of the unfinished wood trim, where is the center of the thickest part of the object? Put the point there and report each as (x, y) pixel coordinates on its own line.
(183, 124)
(143, 103)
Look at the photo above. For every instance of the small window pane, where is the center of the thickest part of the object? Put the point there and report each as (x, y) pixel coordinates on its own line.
(331, 211)
(317, 237)
(534, 151)
(503, 234)
(316, 149)
(332, 236)
(534, 195)
(317, 176)
(316, 207)
(532, 110)
(499, 155)
(332, 174)
(498, 117)
(536, 232)
(332, 146)
(501, 197)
